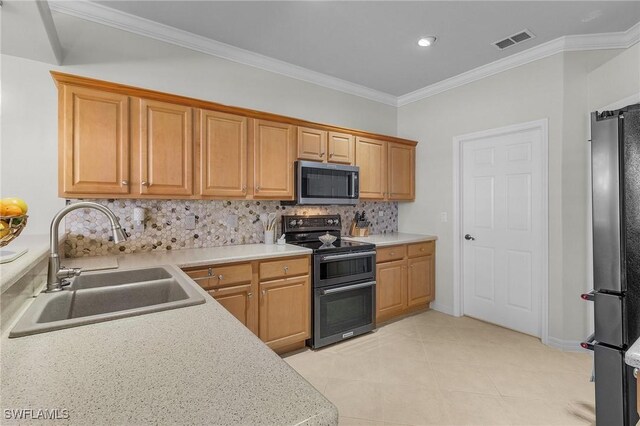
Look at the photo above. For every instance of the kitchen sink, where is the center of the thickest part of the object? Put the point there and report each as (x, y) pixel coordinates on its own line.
(105, 296)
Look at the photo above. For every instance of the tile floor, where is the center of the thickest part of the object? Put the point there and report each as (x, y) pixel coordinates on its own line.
(432, 368)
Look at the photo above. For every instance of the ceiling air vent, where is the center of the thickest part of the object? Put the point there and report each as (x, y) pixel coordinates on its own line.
(514, 39)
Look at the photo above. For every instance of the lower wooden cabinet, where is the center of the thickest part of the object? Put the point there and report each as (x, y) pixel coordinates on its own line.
(285, 315)
(239, 301)
(405, 276)
(272, 298)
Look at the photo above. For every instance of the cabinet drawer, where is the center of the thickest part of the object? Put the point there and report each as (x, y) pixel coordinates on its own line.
(222, 275)
(421, 249)
(386, 254)
(284, 268)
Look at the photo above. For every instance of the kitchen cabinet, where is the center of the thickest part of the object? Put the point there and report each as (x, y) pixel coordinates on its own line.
(326, 147)
(273, 160)
(312, 144)
(285, 314)
(94, 142)
(341, 148)
(165, 134)
(118, 141)
(405, 276)
(391, 288)
(221, 155)
(271, 297)
(371, 157)
(401, 171)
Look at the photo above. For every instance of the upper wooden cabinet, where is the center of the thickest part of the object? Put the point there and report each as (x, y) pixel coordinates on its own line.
(166, 148)
(273, 158)
(401, 177)
(341, 148)
(118, 141)
(94, 142)
(320, 145)
(371, 157)
(221, 155)
(312, 144)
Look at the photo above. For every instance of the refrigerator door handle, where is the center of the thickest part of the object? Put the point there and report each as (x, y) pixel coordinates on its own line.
(590, 297)
(589, 343)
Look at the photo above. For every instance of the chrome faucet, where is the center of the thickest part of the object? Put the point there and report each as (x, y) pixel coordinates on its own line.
(57, 275)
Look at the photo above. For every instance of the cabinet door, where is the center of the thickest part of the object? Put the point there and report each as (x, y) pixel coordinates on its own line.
(371, 157)
(312, 144)
(94, 142)
(420, 281)
(341, 148)
(239, 301)
(273, 160)
(401, 159)
(166, 149)
(222, 157)
(391, 289)
(285, 311)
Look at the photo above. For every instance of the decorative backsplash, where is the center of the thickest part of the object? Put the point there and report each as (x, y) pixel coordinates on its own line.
(218, 223)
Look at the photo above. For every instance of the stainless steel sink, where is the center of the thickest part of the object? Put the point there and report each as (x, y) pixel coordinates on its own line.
(105, 296)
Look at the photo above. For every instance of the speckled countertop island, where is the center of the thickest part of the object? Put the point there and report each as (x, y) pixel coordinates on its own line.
(394, 238)
(193, 365)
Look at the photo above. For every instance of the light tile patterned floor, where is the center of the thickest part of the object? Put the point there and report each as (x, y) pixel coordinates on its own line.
(432, 368)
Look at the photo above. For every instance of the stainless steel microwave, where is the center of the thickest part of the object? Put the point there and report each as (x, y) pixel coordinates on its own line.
(324, 183)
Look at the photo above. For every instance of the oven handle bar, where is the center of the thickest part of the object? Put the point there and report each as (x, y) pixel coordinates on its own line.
(347, 288)
(348, 256)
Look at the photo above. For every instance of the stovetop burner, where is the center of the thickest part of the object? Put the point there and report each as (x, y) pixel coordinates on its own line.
(304, 231)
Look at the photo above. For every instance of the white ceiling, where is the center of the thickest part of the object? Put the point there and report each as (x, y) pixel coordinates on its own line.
(373, 44)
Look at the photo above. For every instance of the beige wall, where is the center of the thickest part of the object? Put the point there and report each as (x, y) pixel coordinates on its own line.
(554, 88)
(28, 164)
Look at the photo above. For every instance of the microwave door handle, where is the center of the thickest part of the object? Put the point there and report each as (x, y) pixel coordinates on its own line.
(348, 288)
(348, 256)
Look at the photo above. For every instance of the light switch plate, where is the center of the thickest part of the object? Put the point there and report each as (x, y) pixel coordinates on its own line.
(381, 213)
(190, 221)
(444, 217)
(232, 221)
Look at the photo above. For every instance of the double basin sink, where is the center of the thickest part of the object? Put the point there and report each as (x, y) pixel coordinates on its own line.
(104, 296)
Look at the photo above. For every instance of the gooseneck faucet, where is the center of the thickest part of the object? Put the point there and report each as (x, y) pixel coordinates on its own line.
(57, 274)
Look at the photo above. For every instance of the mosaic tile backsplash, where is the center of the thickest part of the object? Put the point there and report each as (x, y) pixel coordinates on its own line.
(218, 223)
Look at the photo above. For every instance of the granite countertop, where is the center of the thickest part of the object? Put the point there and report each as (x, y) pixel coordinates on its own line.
(37, 249)
(394, 238)
(189, 257)
(192, 365)
(632, 356)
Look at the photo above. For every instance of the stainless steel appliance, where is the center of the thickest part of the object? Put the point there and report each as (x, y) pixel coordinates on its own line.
(344, 279)
(325, 183)
(615, 164)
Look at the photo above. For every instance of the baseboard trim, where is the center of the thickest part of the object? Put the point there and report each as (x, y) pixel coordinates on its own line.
(442, 308)
(565, 345)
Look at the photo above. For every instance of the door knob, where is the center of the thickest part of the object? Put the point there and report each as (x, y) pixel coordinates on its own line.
(469, 238)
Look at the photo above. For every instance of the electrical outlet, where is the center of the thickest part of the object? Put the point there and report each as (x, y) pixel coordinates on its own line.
(380, 213)
(232, 221)
(190, 221)
(444, 217)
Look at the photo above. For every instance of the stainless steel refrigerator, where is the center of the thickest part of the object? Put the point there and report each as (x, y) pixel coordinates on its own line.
(615, 167)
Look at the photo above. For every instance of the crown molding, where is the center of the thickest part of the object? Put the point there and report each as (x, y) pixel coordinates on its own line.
(618, 40)
(114, 18)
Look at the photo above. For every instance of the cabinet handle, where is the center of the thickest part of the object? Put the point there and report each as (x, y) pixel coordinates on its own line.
(244, 189)
(220, 277)
(125, 182)
(145, 183)
(210, 271)
(392, 253)
(249, 295)
(257, 188)
(286, 269)
(264, 293)
(322, 154)
(422, 249)
(331, 155)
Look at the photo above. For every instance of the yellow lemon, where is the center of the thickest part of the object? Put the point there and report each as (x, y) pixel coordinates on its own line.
(10, 210)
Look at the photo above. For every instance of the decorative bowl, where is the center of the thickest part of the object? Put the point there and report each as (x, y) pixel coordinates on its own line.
(327, 239)
(16, 225)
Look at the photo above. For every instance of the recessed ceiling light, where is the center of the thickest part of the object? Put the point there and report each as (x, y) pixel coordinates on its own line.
(426, 41)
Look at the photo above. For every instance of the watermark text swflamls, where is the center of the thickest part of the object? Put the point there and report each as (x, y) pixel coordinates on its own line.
(36, 414)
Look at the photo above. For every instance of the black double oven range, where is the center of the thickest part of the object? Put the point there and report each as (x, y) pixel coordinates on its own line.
(344, 279)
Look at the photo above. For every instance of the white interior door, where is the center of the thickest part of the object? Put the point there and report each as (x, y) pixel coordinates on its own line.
(501, 229)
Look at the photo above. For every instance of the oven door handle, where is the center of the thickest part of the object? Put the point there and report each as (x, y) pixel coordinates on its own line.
(347, 288)
(347, 256)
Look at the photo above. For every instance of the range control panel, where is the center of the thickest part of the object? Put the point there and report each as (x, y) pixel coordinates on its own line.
(311, 223)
